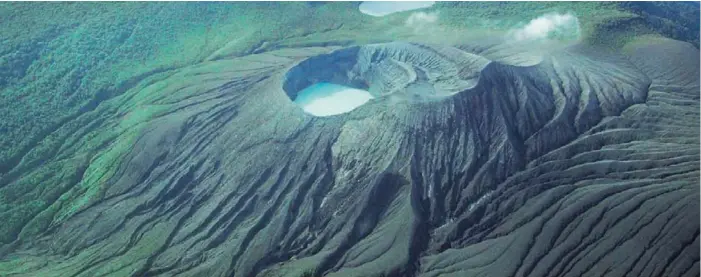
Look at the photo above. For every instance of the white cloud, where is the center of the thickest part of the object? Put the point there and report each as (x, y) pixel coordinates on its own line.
(421, 21)
(420, 18)
(549, 26)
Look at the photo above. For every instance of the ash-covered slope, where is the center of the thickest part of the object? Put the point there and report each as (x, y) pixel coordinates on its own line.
(585, 164)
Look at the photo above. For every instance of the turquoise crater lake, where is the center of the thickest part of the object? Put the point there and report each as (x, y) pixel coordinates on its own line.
(327, 99)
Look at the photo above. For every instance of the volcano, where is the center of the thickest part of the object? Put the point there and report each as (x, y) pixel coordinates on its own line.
(396, 158)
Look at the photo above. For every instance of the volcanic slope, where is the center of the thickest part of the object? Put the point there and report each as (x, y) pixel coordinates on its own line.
(584, 164)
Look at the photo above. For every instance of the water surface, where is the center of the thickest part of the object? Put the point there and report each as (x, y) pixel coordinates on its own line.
(382, 8)
(326, 99)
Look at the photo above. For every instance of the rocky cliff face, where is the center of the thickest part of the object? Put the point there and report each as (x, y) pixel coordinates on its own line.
(584, 164)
